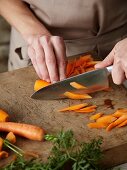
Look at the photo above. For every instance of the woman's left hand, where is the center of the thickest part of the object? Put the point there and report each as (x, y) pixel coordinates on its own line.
(118, 58)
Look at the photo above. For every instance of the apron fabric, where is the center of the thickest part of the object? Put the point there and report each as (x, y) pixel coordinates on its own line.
(85, 25)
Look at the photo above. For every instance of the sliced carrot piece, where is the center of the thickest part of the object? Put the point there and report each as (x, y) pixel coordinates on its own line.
(120, 112)
(11, 137)
(82, 69)
(106, 120)
(89, 107)
(92, 63)
(40, 84)
(95, 125)
(1, 143)
(122, 124)
(71, 95)
(3, 154)
(86, 111)
(86, 58)
(96, 116)
(77, 85)
(68, 69)
(89, 69)
(75, 107)
(4, 117)
(117, 122)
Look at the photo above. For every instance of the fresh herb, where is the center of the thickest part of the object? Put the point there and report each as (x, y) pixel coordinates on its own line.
(66, 153)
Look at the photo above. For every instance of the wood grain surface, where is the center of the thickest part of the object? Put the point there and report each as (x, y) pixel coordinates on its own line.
(16, 88)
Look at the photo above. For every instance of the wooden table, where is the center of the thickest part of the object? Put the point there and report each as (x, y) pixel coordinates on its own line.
(15, 90)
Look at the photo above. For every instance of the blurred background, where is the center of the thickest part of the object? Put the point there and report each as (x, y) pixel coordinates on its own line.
(4, 44)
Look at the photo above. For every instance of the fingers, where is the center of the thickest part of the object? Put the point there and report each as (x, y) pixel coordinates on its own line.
(107, 61)
(50, 59)
(60, 53)
(31, 54)
(40, 60)
(118, 74)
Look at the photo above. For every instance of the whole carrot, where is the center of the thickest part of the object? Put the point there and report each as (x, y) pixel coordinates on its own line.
(28, 131)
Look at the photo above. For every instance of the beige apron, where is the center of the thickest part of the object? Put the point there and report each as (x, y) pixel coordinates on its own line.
(85, 25)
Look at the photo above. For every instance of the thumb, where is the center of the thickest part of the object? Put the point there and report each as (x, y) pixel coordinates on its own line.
(107, 61)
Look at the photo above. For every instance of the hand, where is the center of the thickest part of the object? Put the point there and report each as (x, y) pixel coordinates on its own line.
(118, 58)
(48, 57)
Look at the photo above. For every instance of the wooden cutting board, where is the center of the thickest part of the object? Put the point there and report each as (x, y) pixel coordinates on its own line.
(15, 90)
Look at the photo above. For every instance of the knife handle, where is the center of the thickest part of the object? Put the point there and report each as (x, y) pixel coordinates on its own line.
(109, 68)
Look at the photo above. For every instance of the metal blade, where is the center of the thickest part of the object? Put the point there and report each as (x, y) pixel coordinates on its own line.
(94, 81)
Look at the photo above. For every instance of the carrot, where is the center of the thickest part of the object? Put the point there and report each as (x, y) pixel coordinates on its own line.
(3, 154)
(96, 116)
(75, 107)
(89, 69)
(28, 131)
(120, 112)
(122, 124)
(86, 58)
(4, 117)
(117, 122)
(11, 137)
(106, 120)
(40, 84)
(95, 125)
(71, 95)
(87, 109)
(77, 85)
(1, 143)
(91, 63)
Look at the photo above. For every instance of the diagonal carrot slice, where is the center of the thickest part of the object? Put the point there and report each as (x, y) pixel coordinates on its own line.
(75, 107)
(106, 120)
(89, 107)
(120, 112)
(122, 124)
(86, 58)
(77, 85)
(91, 63)
(117, 122)
(86, 111)
(4, 117)
(75, 96)
(40, 84)
(95, 125)
(96, 116)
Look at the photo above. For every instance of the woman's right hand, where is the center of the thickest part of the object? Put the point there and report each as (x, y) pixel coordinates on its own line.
(48, 56)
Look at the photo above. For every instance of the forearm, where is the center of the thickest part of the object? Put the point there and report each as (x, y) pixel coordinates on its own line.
(20, 17)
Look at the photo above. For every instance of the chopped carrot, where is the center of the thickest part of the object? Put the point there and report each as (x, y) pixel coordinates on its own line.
(117, 122)
(4, 117)
(71, 95)
(75, 107)
(28, 131)
(91, 63)
(77, 85)
(96, 116)
(68, 69)
(95, 125)
(122, 124)
(86, 58)
(120, 112)
(11, 137)
(106, 120)
(40, 84)
(1, 143)
(87, 109)
(90, 69)
(3, 154)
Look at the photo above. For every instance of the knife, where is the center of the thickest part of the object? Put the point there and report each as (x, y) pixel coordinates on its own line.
(96, 80)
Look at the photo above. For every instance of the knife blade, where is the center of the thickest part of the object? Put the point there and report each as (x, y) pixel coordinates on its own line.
(94, 81)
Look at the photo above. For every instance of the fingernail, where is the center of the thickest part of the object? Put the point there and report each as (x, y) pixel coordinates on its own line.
(54, 81)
